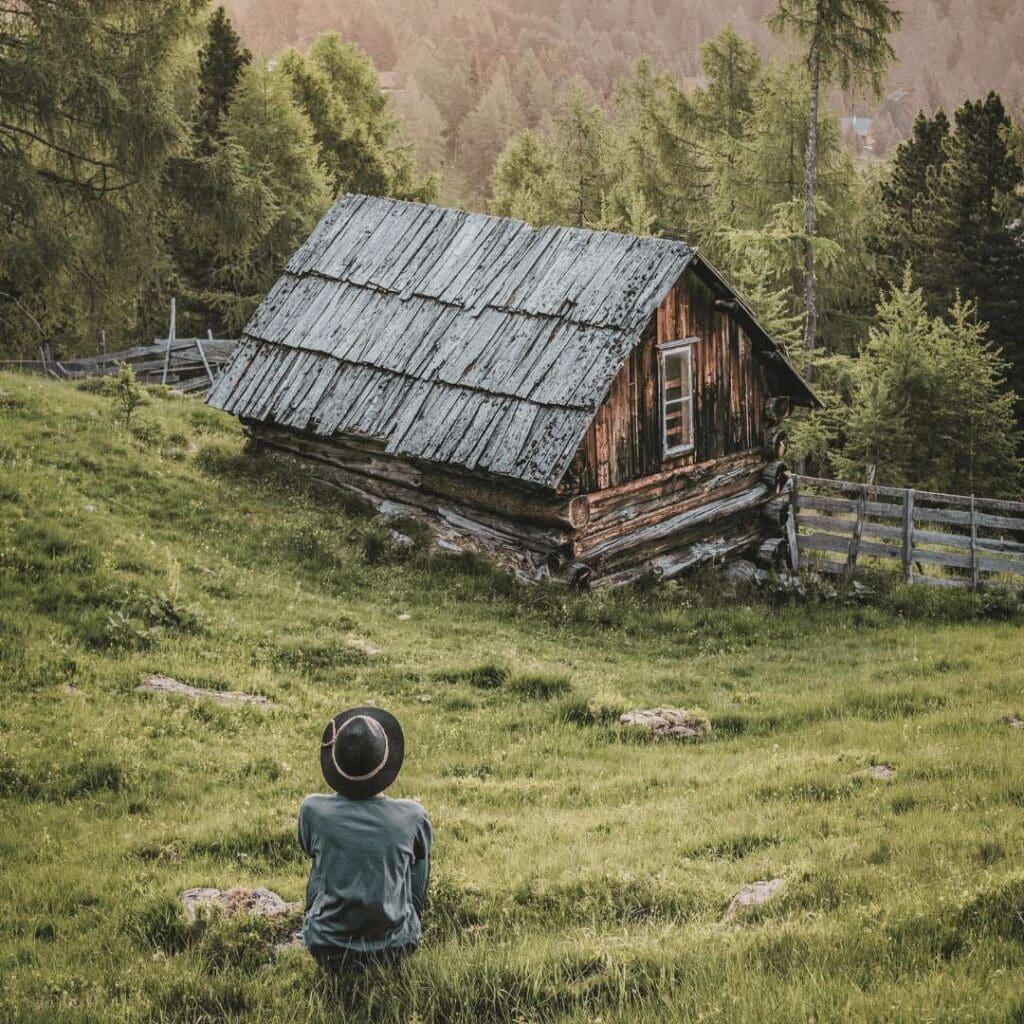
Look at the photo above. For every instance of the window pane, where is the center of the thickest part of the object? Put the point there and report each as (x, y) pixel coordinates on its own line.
(677, 399)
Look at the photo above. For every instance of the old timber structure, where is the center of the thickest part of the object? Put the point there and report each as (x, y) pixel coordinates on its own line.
(584, 404)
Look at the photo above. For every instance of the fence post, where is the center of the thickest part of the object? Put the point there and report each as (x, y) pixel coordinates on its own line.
(206, 362)
(974, 547)
(858, 526)
(170, 342)
(791, 527)
(908, 535)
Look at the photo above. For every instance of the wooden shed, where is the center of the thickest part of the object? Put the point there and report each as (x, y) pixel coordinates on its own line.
(585, 404)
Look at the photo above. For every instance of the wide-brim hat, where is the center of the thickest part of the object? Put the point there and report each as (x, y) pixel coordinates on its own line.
(361, 751)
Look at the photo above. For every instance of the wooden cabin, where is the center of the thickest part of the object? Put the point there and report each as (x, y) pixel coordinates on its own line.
(584, 404)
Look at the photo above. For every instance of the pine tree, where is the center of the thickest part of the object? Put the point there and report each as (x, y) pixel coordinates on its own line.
(971, 240)
(848, 41)
(930, 408)
(221, 61)
(915, 165)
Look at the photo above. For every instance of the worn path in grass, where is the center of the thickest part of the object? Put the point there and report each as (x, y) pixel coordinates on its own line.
(580, 873)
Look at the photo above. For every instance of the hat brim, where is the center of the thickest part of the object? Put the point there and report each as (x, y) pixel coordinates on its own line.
(360, 790)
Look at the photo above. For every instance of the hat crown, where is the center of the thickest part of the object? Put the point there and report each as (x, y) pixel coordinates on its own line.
(360, 747)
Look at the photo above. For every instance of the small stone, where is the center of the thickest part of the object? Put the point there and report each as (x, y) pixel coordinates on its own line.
(668, 724)
(261, 902)
(754, 895)
(73, 691)
(157, 683)
(361, 644)
(742, 573)
(400, 540)
(880, 771)
(1014, 722)
(88, 508)
(404, 617)
(425, 698)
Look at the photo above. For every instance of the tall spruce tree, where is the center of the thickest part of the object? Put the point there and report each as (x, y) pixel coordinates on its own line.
(970, 238)
(847, 42)
(221, 60)
(915, 166)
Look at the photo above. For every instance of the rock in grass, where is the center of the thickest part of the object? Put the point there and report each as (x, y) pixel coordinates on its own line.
(754, 895)
(261, 902)
(363, 645)
(668, 724)
(157, 683)
(1014, 722)
(880, 771)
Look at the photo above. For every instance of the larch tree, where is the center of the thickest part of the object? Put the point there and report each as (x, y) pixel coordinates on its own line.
(87, 123)
(848, 43)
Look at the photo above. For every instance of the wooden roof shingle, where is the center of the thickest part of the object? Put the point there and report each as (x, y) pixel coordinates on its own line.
(449, 336)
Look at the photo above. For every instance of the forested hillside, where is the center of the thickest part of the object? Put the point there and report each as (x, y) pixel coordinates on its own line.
(194, 165)
(461, 58)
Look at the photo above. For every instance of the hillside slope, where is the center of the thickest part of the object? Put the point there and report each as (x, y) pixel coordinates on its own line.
(580, 873)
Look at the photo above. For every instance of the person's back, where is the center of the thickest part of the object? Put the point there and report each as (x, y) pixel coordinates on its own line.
(371, 854)
(370, 872)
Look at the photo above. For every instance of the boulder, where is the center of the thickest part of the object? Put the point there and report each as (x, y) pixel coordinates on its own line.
(879, 771)
(668, 723)
(261, 902)
(754, 895)
(157, 683)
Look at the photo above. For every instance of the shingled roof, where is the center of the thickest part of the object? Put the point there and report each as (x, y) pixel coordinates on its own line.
(453, 337)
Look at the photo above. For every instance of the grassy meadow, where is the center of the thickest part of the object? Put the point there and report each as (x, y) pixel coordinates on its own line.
(580, 874)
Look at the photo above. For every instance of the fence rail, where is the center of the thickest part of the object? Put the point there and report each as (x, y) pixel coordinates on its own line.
(947, 540)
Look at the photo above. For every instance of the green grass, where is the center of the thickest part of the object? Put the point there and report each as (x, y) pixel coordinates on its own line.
(580, 875)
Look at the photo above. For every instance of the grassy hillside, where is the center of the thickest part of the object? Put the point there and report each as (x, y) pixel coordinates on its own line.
(580, 874)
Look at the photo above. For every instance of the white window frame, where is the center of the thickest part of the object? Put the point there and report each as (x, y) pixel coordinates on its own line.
(667, 349)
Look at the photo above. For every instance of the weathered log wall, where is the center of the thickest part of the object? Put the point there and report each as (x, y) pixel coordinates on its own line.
(623, 511)
(730, 390)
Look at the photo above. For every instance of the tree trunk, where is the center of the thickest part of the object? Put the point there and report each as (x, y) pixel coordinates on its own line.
(810, 183)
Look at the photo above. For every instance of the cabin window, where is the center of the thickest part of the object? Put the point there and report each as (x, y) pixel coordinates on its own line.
(677, 397)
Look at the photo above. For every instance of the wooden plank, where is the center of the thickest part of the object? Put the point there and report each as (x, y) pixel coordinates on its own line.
(949, 582)
(871, 508)
(949, 559)
(858, 526)
(170, 342)
(908, 535)
(939, 515)
(839, 545)
(842, 526)
(956, 500)
(791, 530)
(974, 546)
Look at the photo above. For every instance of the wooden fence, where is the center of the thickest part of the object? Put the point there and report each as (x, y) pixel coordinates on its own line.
(946, 540)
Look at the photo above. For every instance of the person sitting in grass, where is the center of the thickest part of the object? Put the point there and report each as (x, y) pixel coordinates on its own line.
(371, 854)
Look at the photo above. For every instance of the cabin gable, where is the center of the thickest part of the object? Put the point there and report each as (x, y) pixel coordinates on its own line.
(730, 388)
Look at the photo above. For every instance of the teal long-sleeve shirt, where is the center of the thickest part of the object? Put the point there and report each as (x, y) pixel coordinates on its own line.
(371, 867)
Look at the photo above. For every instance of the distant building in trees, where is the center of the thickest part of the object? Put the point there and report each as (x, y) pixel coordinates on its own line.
(591, 405)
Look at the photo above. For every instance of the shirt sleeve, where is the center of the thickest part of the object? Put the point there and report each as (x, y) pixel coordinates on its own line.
(304, 830)
(421, 862)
